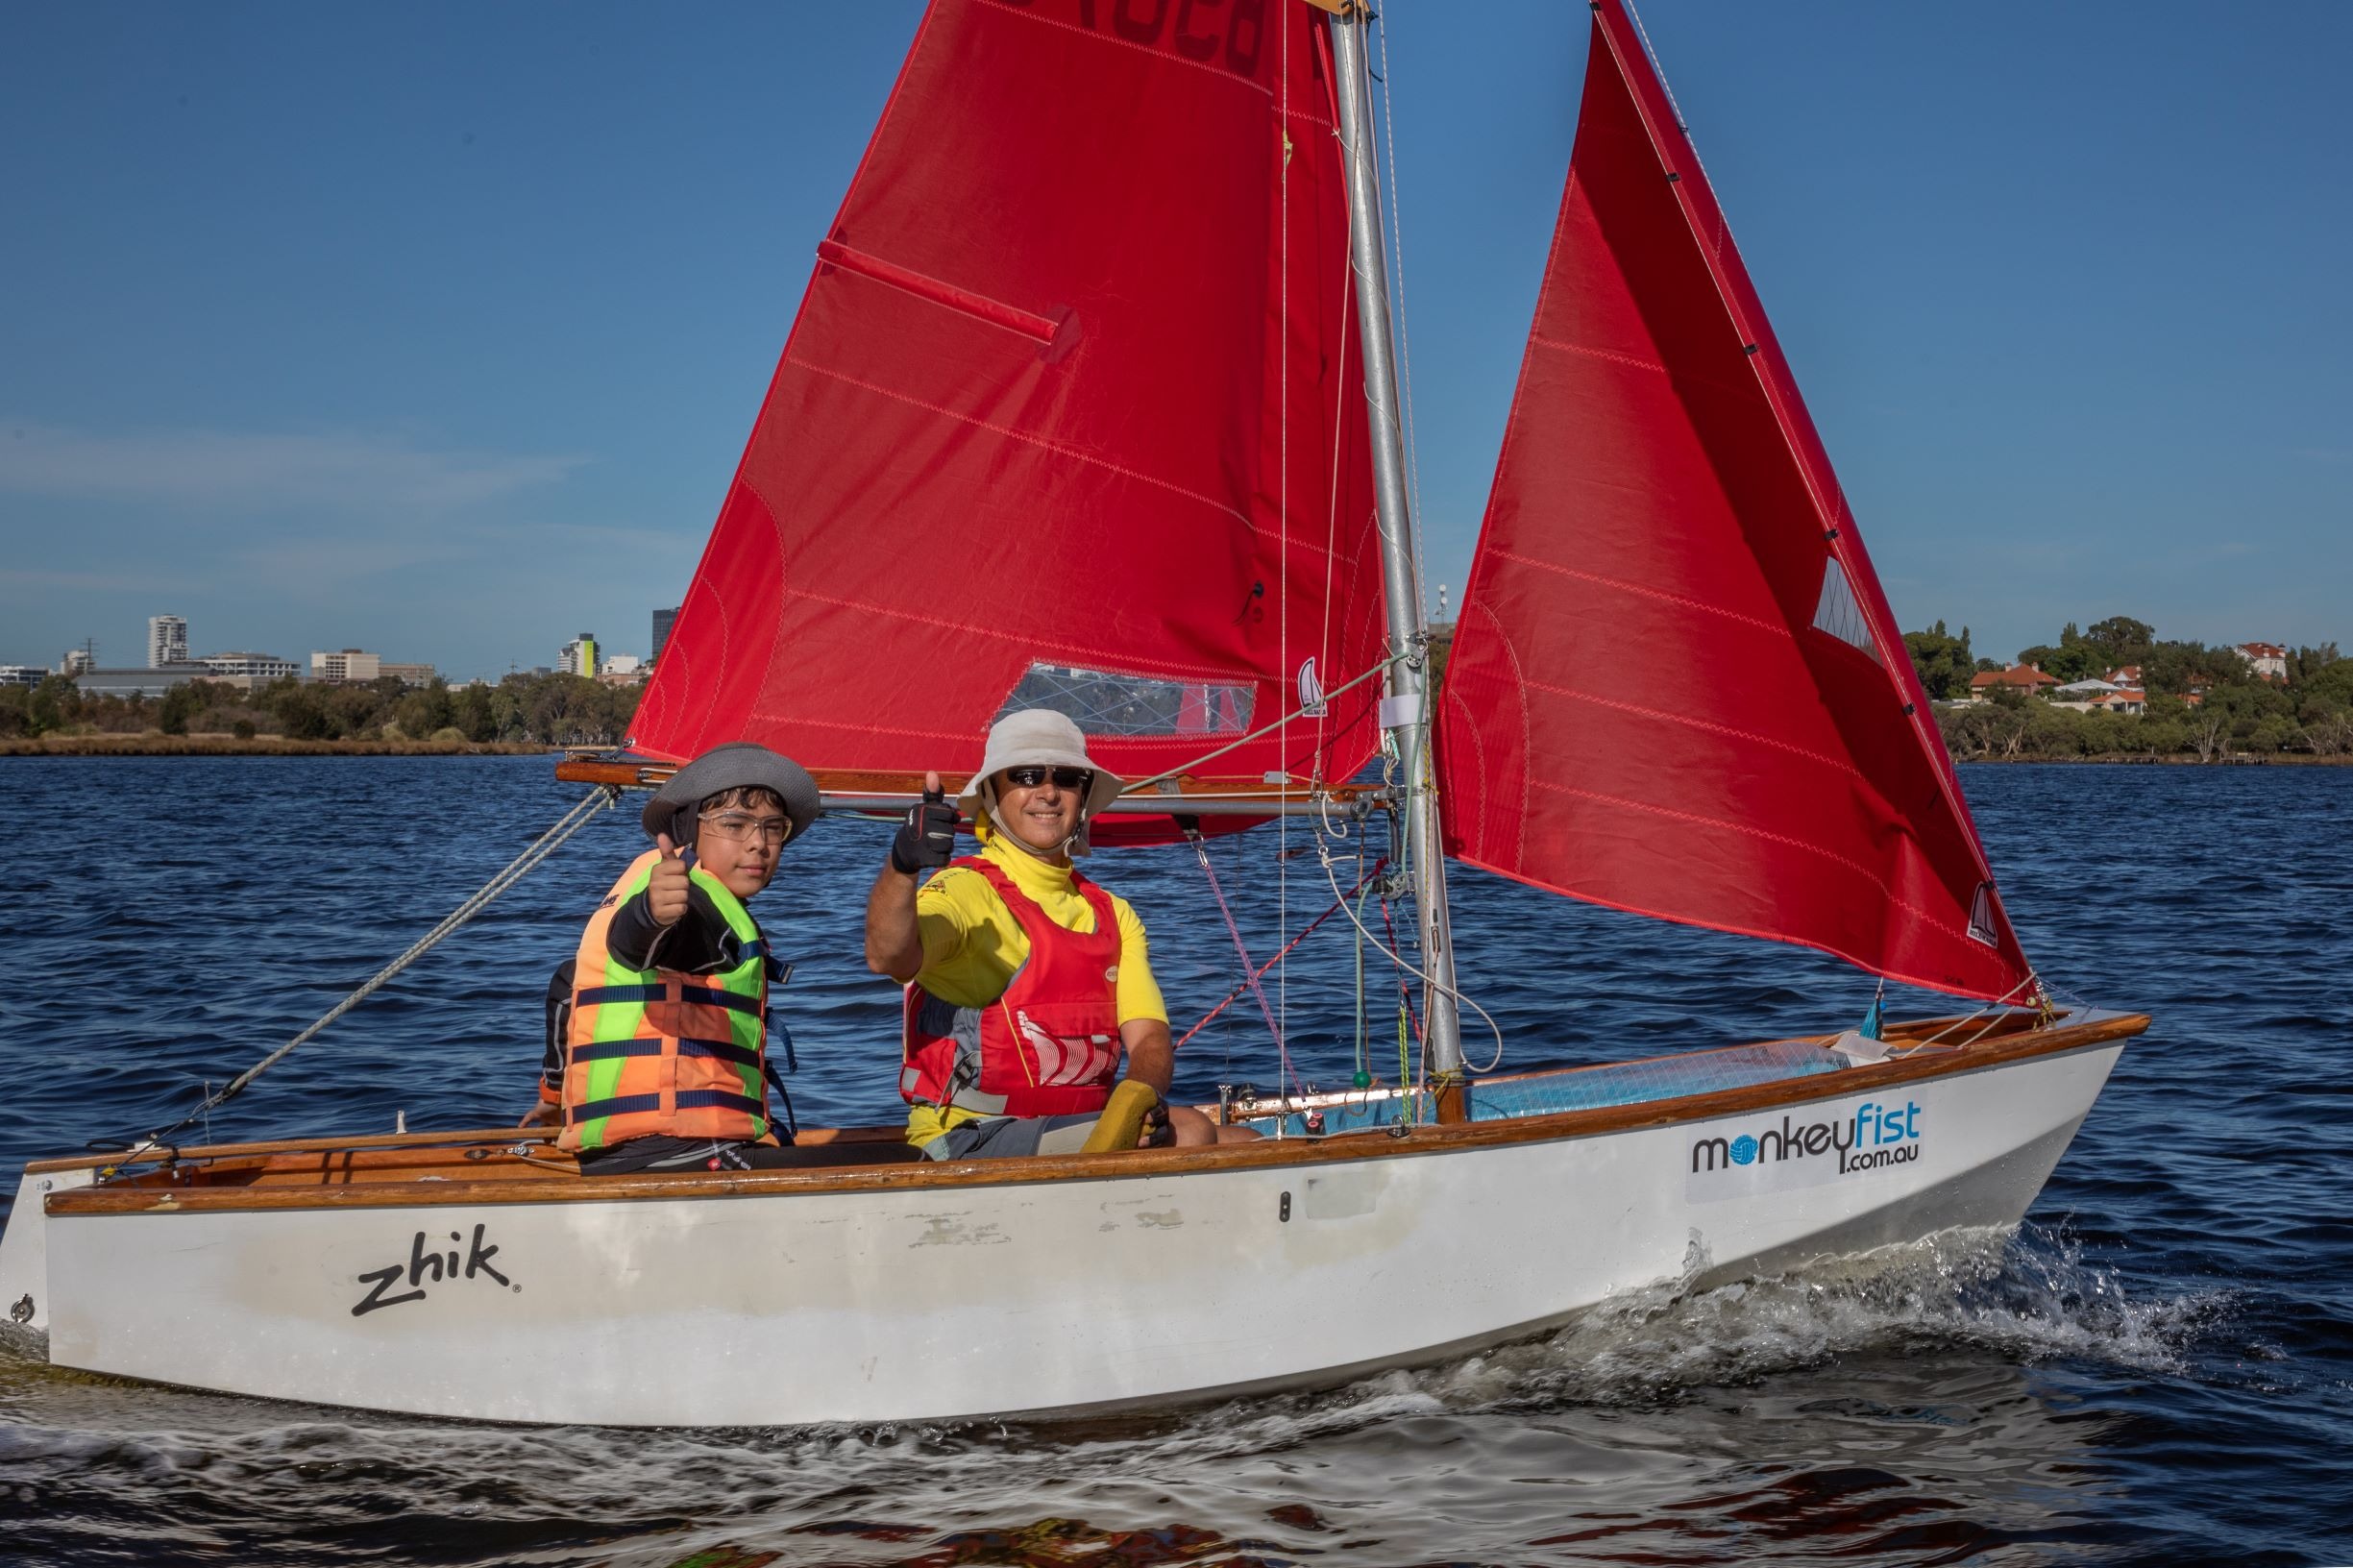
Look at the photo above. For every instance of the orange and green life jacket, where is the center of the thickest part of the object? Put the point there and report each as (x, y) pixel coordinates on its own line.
(658, 1051)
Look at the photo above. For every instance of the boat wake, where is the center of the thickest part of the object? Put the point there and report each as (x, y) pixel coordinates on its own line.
(2028, 1297)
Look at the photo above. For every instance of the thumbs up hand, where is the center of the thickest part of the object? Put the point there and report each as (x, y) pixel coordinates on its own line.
(666, 890)
(927, 838)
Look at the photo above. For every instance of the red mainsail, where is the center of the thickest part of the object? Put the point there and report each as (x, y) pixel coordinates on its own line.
(1676, 686)
(1070, 417)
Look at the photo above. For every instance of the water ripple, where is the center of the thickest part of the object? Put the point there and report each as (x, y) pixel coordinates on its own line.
(2158, 1368)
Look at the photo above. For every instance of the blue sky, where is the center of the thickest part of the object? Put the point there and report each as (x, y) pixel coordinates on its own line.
(437, 330)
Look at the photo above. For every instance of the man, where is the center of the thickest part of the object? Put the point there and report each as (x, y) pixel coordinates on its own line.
(1025, 981)
(666, 1061)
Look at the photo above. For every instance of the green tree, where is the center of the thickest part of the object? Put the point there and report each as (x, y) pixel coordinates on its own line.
(180, 703)
(1983, 730)
(2208, 733)
(2054, 732)
(2071, 660)
(2121, 639)
(302, 711)
(2108, 734)
(2274, 732)
(55, 704)
(1943, 663)
(422, 712)
(2319, 673)
(472, 713)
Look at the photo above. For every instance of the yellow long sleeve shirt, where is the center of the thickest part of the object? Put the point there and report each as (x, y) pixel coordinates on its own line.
(973, 945)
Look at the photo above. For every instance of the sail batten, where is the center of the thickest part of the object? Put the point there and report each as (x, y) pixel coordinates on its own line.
(1677, 688)
(1066, 418)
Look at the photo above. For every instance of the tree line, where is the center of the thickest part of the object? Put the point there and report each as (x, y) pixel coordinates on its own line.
(551, 710)
(2202, 701)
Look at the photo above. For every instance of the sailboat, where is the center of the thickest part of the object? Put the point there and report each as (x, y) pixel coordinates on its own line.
(1091, 404)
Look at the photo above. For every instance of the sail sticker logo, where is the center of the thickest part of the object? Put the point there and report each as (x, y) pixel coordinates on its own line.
(1852, 1143)
(435, 1267)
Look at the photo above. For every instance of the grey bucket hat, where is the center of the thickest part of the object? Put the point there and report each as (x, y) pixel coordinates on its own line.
(1038, 738)
(735, 766)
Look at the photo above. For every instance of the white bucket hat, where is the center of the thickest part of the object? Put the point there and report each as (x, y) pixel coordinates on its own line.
(1038, 738)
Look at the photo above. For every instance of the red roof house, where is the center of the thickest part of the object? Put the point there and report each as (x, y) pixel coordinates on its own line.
(2018, 678)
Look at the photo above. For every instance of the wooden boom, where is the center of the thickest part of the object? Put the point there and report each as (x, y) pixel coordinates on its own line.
(1185, 795)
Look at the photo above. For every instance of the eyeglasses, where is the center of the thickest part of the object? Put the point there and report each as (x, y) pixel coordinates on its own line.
(1065, 778)
(736, 826)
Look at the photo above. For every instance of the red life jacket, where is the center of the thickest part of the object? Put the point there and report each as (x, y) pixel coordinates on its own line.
(1049, 1046)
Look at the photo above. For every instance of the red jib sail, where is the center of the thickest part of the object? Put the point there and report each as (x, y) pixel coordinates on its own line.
(1069, 417)
(1676, 686)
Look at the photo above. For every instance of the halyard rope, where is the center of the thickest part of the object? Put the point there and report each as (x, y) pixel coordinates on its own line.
(1323, 854)
(546, 844)
(1306, 931)
(1250, 972)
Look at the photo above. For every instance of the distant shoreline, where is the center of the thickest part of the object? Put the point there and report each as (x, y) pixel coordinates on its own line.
(2277, 759)
(260, 745)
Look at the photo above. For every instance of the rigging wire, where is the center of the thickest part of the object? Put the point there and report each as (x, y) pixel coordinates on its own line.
(540, 848)
(1187, 766)
(1996, 1008)
(1250, 976)
(1244, 989)
(1324, 854)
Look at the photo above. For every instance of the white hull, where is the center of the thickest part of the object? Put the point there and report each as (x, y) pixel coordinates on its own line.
(977, 1298)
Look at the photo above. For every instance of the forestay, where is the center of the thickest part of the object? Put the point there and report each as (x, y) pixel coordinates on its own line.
(1070, 417)
(1677, 687)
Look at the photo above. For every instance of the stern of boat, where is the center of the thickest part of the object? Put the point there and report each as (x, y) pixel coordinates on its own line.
(24, 1253)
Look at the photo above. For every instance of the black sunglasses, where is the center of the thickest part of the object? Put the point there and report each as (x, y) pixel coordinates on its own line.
(1065, 778)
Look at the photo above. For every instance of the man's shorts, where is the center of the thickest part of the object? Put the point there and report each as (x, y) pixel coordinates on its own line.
(1001, 1138)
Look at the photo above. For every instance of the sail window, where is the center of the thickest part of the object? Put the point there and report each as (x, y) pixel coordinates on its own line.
(1103, 703)
(1838, 613)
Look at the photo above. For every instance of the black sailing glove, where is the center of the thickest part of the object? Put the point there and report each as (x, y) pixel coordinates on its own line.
(1157, 1134)
(927, 838)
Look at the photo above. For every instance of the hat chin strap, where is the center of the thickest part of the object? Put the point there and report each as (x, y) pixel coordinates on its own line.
(1073, 846)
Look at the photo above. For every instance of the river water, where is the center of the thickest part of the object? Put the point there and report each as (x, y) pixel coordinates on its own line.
(2155, 1370)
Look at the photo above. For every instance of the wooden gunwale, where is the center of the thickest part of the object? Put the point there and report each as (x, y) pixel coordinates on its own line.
(1270, 1153)
(294, 1145)
(348, 1143)
(1910, 1029)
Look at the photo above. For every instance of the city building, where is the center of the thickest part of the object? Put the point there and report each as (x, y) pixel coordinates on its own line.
(346, 667)
(251, 668)
(662, 620)
(138, 683)
(167, 641)
(625, 665)
(578, 656)
(357, 667)
(79, 661)
(21, 674)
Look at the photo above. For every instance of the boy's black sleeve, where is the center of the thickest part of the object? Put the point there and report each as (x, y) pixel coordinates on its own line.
(691, 946)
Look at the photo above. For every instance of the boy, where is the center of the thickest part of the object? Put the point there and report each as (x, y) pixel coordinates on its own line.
(666, 1048)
